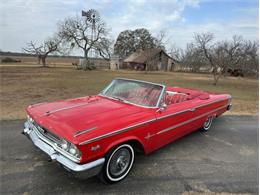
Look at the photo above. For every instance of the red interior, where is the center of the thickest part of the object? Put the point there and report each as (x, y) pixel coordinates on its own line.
(183, 95)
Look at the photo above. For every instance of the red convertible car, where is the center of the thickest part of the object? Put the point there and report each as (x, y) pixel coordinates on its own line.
(100, 134)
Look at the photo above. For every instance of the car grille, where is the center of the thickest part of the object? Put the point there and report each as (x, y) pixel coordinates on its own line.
(47, 134)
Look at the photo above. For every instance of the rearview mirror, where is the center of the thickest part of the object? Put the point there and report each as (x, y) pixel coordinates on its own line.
(162, 107)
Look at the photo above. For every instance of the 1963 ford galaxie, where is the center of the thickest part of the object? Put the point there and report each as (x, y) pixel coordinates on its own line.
(99, 135)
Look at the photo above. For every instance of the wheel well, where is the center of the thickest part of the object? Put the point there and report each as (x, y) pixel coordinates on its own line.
(136, 144)
(138, 147)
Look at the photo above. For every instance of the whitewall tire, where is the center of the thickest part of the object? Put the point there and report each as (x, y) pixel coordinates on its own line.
(118, 164)
(207, 124)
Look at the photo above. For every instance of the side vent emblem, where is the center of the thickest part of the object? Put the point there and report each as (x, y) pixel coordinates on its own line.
(94, 148)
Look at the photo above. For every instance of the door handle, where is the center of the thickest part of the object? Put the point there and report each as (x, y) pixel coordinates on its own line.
(192, 109)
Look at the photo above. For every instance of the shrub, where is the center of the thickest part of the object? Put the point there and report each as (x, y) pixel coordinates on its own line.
(9, 60)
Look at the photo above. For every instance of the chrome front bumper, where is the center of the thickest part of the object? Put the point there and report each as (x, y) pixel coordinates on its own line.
(91, 168)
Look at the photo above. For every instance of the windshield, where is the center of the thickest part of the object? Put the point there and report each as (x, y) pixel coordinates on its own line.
(135, 92)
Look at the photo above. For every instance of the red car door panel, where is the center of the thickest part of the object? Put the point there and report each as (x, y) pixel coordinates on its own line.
(171, 124)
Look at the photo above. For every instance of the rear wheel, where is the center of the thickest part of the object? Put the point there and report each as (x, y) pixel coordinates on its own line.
(207, 124)
(118, 164)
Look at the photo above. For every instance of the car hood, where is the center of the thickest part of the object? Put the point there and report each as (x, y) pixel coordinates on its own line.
(84, 118)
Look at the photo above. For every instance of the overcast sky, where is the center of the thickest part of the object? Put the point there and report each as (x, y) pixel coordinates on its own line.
(25, 20)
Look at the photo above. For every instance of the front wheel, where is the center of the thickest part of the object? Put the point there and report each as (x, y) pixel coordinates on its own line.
(207, 124)
(118, 164)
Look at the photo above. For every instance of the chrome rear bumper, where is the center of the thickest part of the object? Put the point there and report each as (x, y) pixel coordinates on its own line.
(90, 169)
(229, 107)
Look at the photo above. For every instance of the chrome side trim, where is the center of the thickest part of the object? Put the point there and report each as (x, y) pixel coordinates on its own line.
(143, 123)
(116, 132)
(188, 121)
(189, 110)
(210, 103)
(80, 132)
(176, 113)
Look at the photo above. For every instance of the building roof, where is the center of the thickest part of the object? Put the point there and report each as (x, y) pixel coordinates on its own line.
(142, 56)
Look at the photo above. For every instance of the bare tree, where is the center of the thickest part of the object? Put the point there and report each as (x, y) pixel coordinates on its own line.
(251, 57)
(77, 32)
(193, 59)
(43, 50)
(176, 53)
(214, 53)
(104, 48)
(161, 39)
(226, 54)
(233, 51)
(33, 49)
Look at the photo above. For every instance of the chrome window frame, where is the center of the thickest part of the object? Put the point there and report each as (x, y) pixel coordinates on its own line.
(140, 81)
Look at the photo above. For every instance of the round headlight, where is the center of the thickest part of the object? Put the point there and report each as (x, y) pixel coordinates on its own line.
(74, 150)
(31, 120)
(64, 145)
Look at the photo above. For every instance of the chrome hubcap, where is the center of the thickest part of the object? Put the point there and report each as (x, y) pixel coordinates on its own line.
(119, 162)
(207, 123)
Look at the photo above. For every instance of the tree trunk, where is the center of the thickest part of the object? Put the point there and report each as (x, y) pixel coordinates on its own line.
(39, 60)
(86, 53)
(44, 61)
(216, 78)
(146, 68)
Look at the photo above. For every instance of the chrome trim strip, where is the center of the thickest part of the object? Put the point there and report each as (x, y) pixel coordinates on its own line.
(37, 104)
(188, 121)
(80, 132)
(140, 124)
(176, 113)
(141, 81)
(160, 97)
(189, 110)
(116, 132)
(210, 103)
(64, 108)
(107, 87)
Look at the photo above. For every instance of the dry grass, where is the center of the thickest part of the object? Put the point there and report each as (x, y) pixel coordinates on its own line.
(21, 86)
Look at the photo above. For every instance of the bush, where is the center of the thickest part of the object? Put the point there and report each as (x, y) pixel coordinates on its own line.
(9, 60)
(88, 66)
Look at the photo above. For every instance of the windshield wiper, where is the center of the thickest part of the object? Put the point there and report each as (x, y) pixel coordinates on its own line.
(120, 99)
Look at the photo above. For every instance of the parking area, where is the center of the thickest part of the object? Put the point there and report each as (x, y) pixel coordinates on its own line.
(223, 160)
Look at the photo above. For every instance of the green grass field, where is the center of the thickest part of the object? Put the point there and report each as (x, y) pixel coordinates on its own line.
(21, 86)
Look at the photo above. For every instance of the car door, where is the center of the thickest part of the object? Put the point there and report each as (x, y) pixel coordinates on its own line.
(171, 123)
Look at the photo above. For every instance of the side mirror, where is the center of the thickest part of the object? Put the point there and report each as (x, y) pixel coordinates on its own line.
(162, 108)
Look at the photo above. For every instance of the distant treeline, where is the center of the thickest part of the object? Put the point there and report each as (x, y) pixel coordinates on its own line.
(8, 53)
